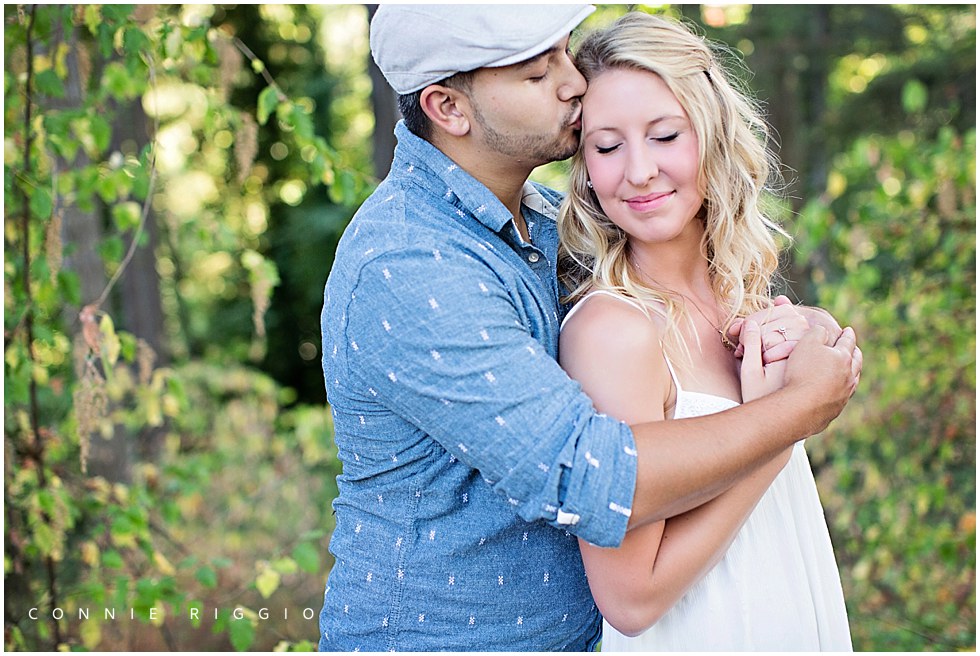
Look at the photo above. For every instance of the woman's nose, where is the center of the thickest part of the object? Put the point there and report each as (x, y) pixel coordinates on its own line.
(641, 167)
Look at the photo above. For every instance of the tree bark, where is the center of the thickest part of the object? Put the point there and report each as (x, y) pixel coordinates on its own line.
(140, 305)
(384, 101)
(82, 233)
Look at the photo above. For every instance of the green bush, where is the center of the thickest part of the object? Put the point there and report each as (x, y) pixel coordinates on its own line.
(891, 249)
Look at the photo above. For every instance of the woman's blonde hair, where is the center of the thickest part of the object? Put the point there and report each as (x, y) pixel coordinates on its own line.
(737, 171)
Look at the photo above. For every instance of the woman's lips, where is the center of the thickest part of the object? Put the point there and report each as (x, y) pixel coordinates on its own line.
(649, 201)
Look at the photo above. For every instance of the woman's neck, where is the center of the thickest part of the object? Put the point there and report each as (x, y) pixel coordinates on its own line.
(677, 267)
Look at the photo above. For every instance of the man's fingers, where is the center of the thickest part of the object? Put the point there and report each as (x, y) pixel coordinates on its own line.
(816, 334)
(857, 364)
(847, 341)
(782, 299)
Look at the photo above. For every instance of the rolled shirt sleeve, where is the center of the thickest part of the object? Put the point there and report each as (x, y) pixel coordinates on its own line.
(445, 341)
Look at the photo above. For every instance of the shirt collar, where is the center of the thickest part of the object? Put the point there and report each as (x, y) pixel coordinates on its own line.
(459, 187)
(533, 199)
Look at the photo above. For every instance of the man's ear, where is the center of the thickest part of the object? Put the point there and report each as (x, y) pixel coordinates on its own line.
(446, 108)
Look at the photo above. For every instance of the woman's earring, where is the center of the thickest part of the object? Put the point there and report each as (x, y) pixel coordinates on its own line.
(588, 183)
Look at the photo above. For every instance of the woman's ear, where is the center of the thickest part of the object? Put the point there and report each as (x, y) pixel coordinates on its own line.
(446, 108)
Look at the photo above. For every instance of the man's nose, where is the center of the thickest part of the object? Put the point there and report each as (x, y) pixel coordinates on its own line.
(573, 83)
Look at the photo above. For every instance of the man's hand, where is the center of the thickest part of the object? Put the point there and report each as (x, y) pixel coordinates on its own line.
(822, 378)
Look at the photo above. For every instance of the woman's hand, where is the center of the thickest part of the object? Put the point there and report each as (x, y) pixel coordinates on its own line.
(782, 326)
(758, 378)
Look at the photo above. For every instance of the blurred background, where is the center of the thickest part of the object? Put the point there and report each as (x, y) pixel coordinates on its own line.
(176, 178)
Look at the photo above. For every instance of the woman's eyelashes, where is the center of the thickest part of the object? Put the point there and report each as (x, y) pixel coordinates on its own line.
(605, 150)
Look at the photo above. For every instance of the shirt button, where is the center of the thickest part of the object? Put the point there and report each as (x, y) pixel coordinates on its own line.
(533, 257)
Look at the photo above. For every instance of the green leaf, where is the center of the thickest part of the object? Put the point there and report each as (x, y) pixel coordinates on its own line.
(70, 286)
(301, 121)
(112, 560)
(44, 538)
(48, 83)
(113, 185)
(112, 248)
(110, 350)
(268, 100)
(915, 96)
(207, 577)
(242, 633)
(135, 40)
(106, 35)
(45, 501)
(126, 215)
(307, 557)
(41, 204)
(119, 82)
(101, 131)
(117, 13)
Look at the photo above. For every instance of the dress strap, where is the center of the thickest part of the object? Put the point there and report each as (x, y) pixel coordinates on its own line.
(594, 293)
(624, 299)
(673, 374)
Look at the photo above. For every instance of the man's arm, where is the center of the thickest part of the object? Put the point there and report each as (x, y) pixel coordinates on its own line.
(686, 462)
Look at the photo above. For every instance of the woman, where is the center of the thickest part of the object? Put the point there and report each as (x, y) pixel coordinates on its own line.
(665, 245)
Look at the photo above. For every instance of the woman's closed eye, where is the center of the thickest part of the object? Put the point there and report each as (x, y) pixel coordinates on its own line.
(605, 150)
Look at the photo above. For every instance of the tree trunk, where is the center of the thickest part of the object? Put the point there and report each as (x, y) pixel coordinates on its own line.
(139, 287)
(795, 100)
(82, 233)
(385, 104)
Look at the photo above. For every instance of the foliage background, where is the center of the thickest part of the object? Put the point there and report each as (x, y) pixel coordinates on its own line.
(175, 180)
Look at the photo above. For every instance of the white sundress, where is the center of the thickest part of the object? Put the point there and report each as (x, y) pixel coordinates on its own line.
(776, 589)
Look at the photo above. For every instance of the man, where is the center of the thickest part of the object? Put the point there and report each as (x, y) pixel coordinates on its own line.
(471, 461)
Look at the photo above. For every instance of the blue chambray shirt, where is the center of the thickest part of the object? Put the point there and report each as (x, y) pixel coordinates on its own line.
(469, 457)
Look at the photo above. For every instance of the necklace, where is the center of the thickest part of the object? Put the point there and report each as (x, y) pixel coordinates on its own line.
(727, 343)
(701, 312)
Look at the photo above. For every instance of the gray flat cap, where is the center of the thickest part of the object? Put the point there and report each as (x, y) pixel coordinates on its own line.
(418, 45)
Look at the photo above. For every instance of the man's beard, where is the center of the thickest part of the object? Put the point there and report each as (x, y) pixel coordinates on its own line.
(537, 149)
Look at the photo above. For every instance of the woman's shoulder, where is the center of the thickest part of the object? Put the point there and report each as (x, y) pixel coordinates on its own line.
(614, 348)
(603, 316)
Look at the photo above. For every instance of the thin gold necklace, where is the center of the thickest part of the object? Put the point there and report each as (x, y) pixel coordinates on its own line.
(700, 311)
(727, 343)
